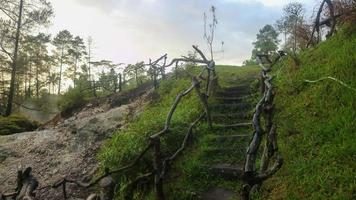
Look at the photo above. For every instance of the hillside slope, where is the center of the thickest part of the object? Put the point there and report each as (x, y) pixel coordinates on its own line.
(67, 147)
(317, 122)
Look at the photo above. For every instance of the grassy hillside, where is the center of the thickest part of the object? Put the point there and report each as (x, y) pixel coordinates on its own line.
(317, 122)
(126, 144)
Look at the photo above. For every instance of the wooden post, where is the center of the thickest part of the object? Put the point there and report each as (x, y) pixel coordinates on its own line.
(263, 86)
(155, 76)
(107, 186)
(208, 83)
(26, 184)
(245, 192)
(158, 168)
(204, 99)
(164, 69)
(176, 70)
(64, 191)
(213, 82)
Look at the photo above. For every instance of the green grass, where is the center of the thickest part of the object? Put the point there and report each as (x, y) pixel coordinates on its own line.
(16, 124)
(191, 176)
(126, 144)
(231, 75)
(317, 123)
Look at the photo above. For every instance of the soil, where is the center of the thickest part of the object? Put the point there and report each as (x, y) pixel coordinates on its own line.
(67, 147)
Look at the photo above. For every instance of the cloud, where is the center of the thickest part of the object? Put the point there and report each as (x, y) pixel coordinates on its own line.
(271, 3)
(134, 30)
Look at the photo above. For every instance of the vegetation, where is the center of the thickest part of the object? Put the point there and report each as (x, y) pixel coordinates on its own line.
(315, 103)
(317, 122)
(292, 19)
(126, 144)
(266, 43)
(16, 124)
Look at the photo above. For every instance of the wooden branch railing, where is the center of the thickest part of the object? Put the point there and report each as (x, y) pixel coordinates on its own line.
(161, 163)
(252, 177)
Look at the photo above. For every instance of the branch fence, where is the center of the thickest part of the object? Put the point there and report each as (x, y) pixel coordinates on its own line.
(27, 185)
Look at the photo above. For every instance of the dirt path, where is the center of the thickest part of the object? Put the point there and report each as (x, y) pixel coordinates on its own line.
(67, 150)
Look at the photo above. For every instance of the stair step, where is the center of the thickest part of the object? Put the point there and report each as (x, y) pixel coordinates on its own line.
(231, 137)
(232, 106)
(237, 88)
(218, 194)
(227, 171)
(243, 94)
(226, 151)
(232, 99)
(234, 125)
(235, 140)
(222, 117)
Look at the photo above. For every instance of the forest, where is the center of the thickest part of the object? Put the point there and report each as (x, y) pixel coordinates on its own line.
(161, 117)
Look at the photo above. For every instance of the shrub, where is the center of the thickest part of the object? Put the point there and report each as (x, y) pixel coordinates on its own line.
(73, 100)
(16, 124)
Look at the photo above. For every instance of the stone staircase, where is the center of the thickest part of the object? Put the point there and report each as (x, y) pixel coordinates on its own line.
(226, 145)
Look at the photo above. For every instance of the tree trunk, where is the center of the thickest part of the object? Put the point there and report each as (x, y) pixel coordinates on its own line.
(37, 84)
(29, 81)
(158, 169)
(285, 39)
(120, 82)
(295, 36)
(37, 79)
(49, 83)
(14, 62)
(75, 71)
(136, 77)
(60, 73)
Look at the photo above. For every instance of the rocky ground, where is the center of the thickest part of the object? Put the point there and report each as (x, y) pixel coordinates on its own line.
(67, 147)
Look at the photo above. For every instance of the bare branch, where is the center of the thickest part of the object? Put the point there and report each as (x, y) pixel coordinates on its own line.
(201, 54)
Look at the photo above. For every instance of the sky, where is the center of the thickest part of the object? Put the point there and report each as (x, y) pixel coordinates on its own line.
(128, 31)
